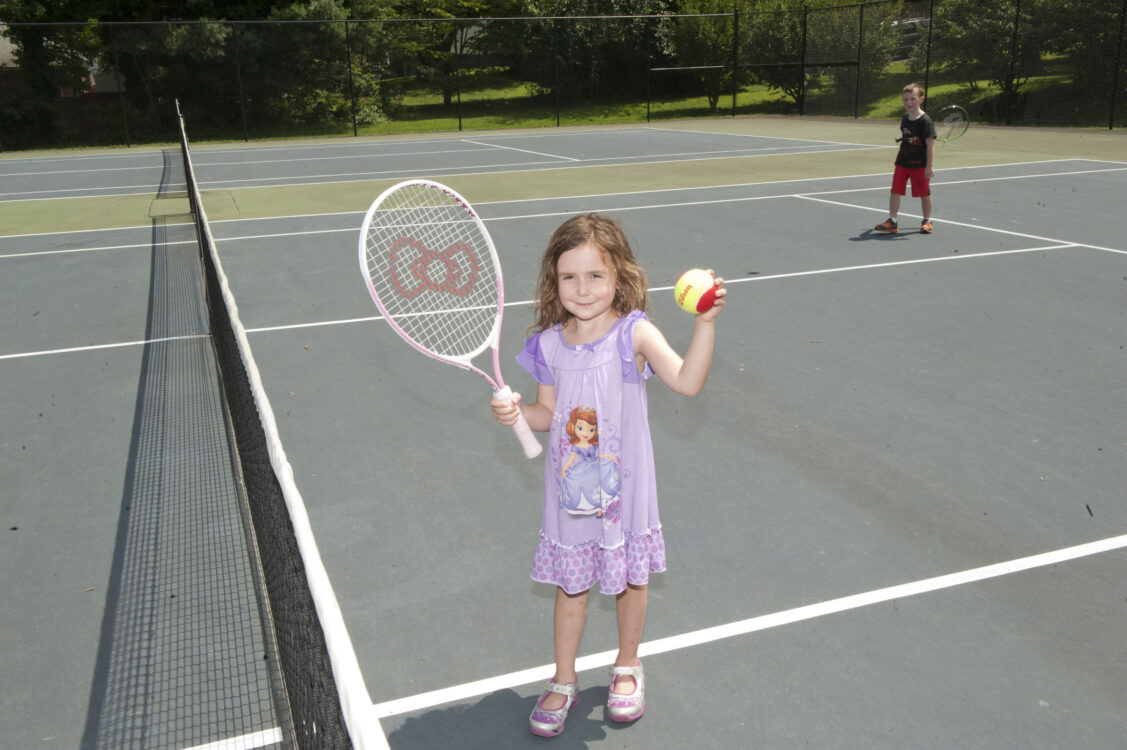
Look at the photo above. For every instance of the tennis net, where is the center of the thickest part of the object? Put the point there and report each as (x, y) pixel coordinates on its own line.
(297, 591)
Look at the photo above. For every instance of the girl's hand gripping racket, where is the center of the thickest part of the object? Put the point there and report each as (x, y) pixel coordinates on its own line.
(434, 273)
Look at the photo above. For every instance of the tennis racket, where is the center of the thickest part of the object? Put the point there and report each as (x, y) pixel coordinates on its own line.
(951, 122)
(434, 273)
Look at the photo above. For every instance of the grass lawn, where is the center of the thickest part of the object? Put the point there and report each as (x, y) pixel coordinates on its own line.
(493, 100)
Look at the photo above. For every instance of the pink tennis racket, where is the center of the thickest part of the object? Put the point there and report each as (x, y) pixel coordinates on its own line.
(434, 273)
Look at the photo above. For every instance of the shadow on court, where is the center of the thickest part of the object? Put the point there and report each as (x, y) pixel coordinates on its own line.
(499, 720)
(872, 234)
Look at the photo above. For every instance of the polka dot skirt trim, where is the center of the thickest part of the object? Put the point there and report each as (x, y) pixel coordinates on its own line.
(577, 569)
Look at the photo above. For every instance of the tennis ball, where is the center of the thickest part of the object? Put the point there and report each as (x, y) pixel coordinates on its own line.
(695, 291)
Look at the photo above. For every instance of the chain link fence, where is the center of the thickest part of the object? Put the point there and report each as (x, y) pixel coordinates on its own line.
(1012, 62)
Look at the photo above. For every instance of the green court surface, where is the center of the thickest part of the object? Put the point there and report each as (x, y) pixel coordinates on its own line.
(984, 145)
(894, 516)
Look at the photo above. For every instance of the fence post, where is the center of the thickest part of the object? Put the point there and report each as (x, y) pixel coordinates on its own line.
(649, 92)
(860, 57)
(120, 90)
(1118, 62)
(351, 84)
(556, 64)
(927, 50)
(802, 63)
(735, 56)
(458, 70)
(239, 81)
(1011, 89)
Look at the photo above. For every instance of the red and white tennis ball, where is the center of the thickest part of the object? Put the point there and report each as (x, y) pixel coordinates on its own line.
(695, 291)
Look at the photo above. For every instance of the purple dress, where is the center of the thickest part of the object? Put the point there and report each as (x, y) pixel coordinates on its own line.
(600, 521)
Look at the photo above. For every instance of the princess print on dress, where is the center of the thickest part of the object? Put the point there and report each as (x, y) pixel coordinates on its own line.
(589, 479)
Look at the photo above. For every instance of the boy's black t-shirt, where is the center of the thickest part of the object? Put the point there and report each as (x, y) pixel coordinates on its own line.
(913, 140)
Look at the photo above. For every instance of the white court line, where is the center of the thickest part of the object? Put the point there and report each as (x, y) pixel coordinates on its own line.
(137, 228)
(542, 166)
(344, 321)
(150, 167)
(1057, 244)
(135, 246)
(137, 190)
(525, 303)
(494, 169)
(521, 150)
(728, 282)
(751, 625)
(684, 204)
(159, 167)
(679, 204)
(772, 137)
(497, 169)
(984, 228)
(822, 180)
(245, 742)
(889, 264)
(95, 347)
(330, 178)
(350, 157)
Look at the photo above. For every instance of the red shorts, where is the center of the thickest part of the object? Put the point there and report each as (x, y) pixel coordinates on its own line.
(921, 186)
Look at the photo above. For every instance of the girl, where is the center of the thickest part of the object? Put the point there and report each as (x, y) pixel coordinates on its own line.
(593, 347)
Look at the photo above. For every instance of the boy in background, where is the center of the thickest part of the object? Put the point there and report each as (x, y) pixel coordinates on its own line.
(914, 161)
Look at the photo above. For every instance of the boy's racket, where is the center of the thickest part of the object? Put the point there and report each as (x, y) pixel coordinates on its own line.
(951, 122)
(433, 272)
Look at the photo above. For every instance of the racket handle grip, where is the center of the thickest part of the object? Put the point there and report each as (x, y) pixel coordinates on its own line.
(528, 441)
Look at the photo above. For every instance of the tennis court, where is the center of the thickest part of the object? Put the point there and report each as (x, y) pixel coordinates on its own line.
(894, 516)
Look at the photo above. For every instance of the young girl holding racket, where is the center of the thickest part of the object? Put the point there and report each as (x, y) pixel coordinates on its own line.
(591, 353)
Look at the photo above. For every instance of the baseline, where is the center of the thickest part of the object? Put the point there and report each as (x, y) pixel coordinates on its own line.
(744, 627)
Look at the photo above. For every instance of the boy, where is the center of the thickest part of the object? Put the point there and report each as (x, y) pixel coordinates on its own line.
(914, 160)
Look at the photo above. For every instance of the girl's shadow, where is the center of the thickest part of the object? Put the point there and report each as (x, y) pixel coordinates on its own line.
(500, 720)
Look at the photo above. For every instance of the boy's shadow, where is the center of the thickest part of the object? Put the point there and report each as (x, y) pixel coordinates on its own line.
(872, 234)
(500, 720)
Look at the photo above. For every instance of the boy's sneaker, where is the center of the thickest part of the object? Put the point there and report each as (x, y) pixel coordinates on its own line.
(925, 227)
(888, 225)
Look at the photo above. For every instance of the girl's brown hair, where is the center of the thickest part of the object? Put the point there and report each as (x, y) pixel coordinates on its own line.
(607, 235)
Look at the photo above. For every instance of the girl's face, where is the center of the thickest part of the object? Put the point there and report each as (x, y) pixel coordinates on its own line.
(586, 282)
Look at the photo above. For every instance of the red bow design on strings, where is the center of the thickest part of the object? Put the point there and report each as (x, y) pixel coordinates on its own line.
(459, 273)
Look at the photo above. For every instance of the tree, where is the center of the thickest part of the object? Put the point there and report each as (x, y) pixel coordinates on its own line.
(810, 44)
(51, 60)
(707, 40)
(996, 44)
(432, 49)
(589, 57)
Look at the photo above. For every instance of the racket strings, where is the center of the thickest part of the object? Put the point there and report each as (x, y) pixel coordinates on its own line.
(433, 271)
(954, 122)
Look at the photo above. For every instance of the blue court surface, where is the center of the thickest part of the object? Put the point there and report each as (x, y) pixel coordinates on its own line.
(895, 516)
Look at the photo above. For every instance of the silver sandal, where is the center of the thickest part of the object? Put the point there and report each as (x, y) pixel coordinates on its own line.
(545, 723)
(625, 707)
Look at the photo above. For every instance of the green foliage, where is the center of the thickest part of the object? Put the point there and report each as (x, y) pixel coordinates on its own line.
(325, 65)
(994, 43)
(587, 58)
(842, 46)
(706, 40)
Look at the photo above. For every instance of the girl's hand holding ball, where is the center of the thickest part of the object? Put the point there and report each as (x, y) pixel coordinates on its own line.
(698, 291)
